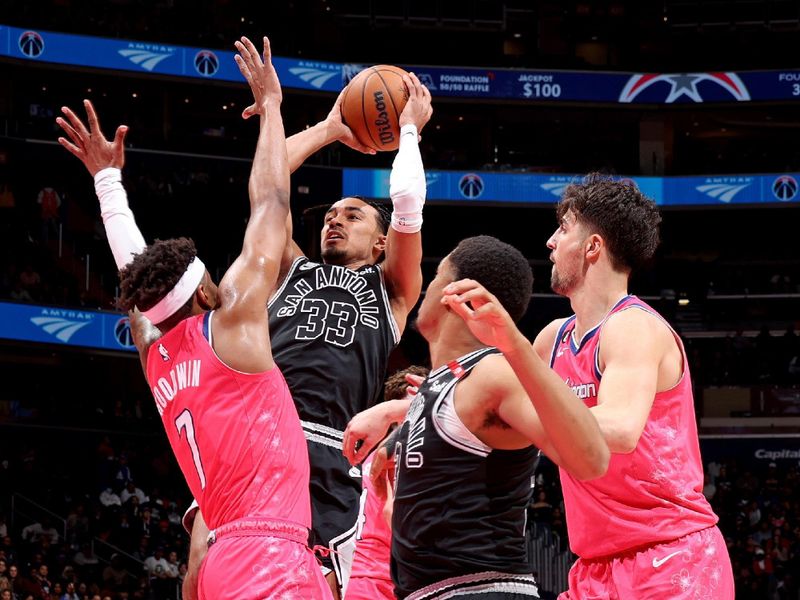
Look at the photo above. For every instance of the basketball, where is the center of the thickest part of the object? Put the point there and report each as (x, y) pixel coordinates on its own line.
(372, 105)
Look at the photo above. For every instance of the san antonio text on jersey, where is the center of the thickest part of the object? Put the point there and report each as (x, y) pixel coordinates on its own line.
(331, 331)
(459, 506)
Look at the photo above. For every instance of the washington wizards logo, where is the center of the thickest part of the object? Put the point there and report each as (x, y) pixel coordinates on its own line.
(31, 44)
(471, 186)
(682, 86)
(206, 63)
(122, 333)
(784, 188)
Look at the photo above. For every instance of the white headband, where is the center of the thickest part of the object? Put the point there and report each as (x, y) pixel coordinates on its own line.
(177, 296)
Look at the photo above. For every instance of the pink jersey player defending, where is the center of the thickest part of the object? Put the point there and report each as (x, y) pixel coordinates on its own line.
(644, 529)
(205, 349)
(370, 576)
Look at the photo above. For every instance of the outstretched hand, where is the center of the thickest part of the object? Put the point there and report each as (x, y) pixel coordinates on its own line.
(90, 145)
(260, 75)
(484, 315)
(418, 109)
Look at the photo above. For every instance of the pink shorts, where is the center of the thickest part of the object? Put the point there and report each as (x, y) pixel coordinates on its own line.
(694, 567)
(369, 588)
(249, 560)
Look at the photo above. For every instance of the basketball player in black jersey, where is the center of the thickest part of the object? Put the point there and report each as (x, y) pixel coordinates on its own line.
(333, 324)
(466, 452)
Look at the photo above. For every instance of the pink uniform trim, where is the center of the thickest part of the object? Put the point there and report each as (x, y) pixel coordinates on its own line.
(261, 527)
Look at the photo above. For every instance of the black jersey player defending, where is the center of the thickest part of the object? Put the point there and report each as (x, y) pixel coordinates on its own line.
(467, 449)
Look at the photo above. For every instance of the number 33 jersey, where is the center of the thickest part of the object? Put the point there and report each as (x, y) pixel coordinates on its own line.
(236, 436)
(331, 331)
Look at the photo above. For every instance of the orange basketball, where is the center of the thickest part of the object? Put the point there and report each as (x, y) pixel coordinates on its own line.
(372, 105)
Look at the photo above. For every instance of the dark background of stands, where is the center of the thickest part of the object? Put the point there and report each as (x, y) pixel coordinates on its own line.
(728, 278)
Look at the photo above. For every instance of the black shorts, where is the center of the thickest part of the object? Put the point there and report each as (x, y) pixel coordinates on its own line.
(335, 495)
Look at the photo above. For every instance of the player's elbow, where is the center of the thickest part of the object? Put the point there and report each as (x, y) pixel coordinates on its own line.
(624, 438)
(594, 463)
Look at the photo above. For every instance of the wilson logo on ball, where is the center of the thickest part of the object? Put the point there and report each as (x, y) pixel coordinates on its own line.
(382, 123)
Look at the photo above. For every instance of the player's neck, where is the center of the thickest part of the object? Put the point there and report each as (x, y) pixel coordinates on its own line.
(354, 264)
(452, 340)
(595, 297)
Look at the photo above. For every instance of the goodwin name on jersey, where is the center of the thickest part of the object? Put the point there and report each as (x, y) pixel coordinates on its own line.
(183, 375)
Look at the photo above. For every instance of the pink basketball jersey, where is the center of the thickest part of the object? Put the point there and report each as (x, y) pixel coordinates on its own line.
(653, 494)
(236, 436)
(373, 534)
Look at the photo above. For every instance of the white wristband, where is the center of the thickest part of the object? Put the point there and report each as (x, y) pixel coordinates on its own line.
(407, 183)
(123, 235)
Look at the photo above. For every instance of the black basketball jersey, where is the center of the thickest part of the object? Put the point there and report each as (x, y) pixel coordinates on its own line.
(331, 331)
(459, 505)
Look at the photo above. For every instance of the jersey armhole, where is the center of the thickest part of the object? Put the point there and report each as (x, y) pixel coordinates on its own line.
(388, 307)
(285, 281)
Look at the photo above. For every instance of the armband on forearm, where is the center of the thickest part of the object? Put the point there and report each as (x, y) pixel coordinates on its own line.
(123, 235)
(407, 183)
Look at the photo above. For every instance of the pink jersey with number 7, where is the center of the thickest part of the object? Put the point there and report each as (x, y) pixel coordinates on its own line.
(236, 436)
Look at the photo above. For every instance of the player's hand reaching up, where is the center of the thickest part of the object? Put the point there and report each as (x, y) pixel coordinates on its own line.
(418, 109)
(484, 315)
(260, 75)
(90, 145)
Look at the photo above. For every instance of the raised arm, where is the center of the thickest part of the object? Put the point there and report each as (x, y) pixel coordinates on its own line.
(303, 144)
(551, 415)
(241, 320)
(407, 188)
(104, 161)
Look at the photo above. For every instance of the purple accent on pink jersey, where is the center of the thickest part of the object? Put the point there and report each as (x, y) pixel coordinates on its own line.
(651, 495)
(236, 436)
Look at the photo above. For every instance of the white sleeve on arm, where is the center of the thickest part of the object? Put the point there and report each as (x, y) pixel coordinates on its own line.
(407, 183)
(123, 235)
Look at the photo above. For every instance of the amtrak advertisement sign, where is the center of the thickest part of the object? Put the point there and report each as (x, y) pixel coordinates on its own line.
(157, 58)
(66, 327)
(535, 188)
(501, 84)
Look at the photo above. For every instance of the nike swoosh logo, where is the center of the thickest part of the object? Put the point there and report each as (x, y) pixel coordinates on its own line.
(657, 562)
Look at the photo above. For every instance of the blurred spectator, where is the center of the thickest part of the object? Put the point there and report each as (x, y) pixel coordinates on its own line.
(34, 532)
(49, 205)
(132, 491)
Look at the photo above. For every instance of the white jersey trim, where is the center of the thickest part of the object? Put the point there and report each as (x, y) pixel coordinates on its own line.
(388, 306)
(313, 437)
(339, 435)
(451, 428)
(285, 281)
(478, 583)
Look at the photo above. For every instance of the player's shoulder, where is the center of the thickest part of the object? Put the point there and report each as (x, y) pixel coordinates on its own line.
(636, 318)
(494, 377)
(544, 341)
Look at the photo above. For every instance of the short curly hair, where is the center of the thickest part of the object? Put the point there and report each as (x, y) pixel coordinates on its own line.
(499, 267)
(625, 218)
(153, 273)
(395, 385)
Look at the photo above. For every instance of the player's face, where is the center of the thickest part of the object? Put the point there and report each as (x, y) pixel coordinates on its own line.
(567, 256)
(432, 310)
(351, 233)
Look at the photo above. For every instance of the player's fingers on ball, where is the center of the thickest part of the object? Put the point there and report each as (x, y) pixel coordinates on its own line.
(409, 83)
